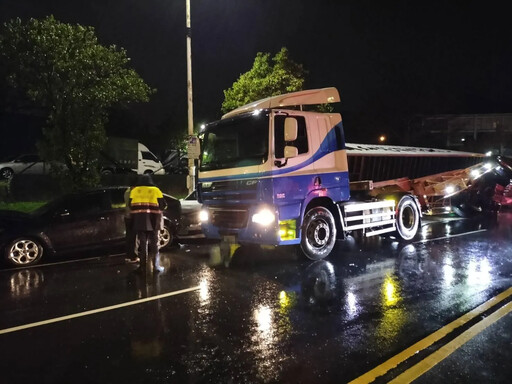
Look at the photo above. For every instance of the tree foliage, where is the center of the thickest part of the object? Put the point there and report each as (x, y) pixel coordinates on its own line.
(267, 77)
(64, 69)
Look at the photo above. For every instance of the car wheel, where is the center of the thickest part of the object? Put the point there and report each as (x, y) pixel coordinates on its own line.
(318, 233)
(6, 173)
(165, 237)
(23, 251)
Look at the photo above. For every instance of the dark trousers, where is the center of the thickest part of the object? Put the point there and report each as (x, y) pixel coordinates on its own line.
(148, 250)
(130, 238)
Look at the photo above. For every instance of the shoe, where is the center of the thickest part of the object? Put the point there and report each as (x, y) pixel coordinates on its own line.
(132, 261)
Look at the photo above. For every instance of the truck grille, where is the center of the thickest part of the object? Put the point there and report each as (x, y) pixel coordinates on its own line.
(232, 190)
(229, 217)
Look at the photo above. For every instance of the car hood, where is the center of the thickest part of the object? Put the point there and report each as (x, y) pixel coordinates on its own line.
(189, 205)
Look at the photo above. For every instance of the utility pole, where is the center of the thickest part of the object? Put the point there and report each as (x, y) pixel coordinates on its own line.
(191, 178)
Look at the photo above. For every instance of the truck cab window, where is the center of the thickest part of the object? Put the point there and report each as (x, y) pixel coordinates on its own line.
(302, 139)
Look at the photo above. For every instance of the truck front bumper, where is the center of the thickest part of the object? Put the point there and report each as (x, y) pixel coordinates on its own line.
(248, 232)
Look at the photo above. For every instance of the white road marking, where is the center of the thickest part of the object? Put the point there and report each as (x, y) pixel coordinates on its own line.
(94, 311)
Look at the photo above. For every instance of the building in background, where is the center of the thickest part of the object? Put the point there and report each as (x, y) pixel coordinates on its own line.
(473, 132)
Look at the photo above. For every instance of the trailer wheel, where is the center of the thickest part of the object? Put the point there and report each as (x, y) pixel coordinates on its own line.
(318, 233)
(407, 218)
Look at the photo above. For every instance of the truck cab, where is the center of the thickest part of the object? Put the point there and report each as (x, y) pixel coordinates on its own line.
(273, 175)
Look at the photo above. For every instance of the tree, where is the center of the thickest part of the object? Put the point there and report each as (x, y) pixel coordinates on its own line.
(64, 69)
(267, 77)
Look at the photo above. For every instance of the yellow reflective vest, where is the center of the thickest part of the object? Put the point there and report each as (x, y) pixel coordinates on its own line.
(145, 209)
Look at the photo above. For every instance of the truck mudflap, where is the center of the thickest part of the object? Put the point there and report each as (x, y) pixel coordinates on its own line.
(371, 218)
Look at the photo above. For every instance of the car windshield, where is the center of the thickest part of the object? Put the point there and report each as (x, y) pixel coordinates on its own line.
(238, 142)
(7, 159)
(191, 196)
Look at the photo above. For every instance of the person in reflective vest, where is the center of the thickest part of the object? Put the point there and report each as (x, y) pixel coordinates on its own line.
(146, 204)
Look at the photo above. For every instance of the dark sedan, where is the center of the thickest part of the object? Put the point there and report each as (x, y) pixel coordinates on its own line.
(79, 221)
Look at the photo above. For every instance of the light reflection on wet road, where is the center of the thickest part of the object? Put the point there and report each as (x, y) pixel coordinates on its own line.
(269, 317)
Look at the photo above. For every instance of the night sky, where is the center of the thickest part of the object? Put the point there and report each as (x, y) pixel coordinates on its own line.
(389, 60)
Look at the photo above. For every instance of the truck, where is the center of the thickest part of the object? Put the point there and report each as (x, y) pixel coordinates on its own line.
(274, 174)
(125, 155)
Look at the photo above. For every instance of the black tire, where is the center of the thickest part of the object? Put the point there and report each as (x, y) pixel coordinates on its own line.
(319, 284)
(407, 218)
(6, 173)
(475, 203)
(23, 252)
(318, 233)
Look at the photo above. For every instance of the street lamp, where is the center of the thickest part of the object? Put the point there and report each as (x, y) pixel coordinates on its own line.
(191, 182)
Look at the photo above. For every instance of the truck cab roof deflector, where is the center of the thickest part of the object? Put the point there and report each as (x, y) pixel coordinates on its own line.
(308, 97)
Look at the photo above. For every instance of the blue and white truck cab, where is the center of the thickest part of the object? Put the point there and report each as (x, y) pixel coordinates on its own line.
(273, 174)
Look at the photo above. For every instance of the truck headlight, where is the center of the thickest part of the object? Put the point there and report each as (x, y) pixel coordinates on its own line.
(264, 217)
(203, 215)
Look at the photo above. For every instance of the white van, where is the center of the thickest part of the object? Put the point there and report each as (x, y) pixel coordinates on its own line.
(148, 162)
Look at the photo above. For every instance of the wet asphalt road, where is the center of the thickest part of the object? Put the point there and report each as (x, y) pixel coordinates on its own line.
(269, 317)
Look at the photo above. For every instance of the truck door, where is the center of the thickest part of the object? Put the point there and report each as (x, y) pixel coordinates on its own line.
(296, 173)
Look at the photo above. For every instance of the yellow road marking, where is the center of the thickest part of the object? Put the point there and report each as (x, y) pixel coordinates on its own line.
(94, 311)
(430, 361)
(393, 362)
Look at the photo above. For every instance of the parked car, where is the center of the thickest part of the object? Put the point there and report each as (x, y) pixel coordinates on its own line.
(74, 222)
(190, 225)
(30, 163)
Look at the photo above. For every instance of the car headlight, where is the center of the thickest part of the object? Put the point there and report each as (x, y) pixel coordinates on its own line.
(264, 217)
(203, 215)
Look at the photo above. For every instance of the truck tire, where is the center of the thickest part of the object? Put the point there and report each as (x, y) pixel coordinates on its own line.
(318, 233)
(407, 218)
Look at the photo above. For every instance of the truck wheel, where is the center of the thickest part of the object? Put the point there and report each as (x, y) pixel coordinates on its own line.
(407, 218)
(318, 233)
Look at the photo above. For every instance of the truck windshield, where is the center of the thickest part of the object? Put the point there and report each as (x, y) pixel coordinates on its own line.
(238, 142)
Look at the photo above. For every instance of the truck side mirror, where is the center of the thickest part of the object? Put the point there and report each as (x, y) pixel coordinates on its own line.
(290, 129)
(290, 151)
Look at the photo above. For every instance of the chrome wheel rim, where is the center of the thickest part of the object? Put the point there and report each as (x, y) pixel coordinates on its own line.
(24, 252)
(164, 237)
